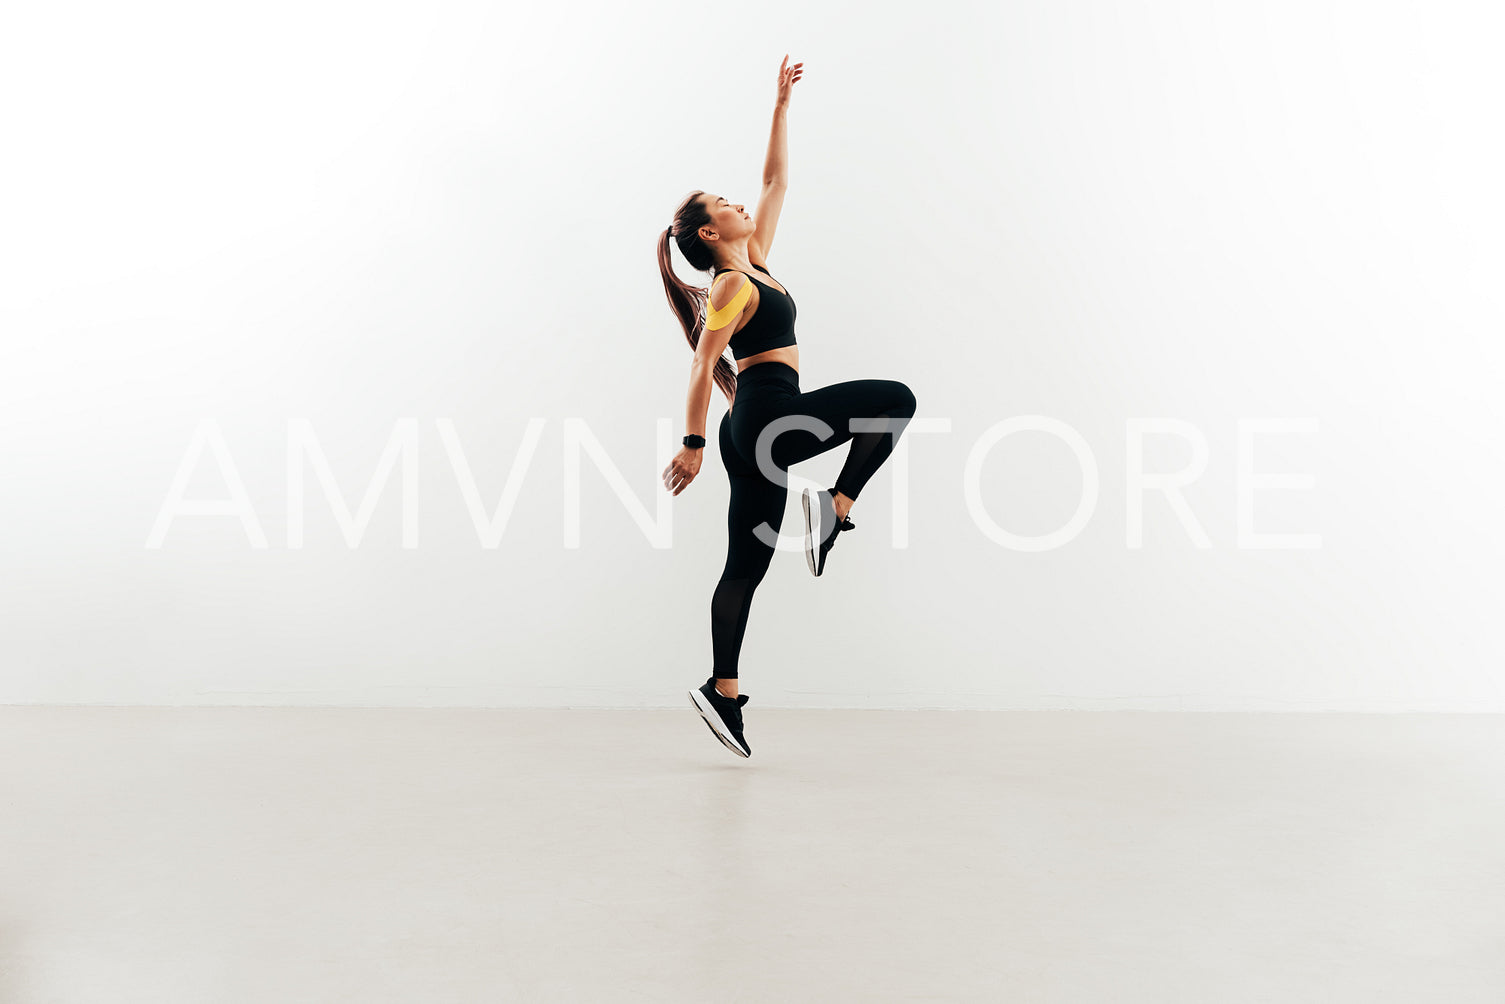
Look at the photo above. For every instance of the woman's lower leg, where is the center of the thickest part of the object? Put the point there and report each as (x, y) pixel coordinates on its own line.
(755, 502)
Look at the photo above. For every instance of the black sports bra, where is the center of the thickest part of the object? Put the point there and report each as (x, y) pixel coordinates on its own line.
(772, 324)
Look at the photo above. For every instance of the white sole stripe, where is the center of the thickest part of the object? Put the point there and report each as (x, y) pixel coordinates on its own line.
(811, 531)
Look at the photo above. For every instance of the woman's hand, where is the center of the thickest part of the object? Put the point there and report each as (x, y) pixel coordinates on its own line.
(682, 469)
(787, 76)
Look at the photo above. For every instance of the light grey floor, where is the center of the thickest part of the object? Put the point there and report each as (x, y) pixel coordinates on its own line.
(286, 855)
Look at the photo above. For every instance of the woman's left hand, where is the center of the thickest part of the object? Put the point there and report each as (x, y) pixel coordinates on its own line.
(682, 469)
(787, 76)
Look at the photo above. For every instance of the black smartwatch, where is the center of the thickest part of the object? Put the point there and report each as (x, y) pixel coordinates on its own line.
(694, 442)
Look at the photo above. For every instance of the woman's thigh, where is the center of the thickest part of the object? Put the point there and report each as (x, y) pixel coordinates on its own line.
(755, 512)
(752, 424)
(814, 422)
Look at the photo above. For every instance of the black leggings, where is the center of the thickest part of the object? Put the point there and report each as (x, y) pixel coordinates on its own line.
(812, 424)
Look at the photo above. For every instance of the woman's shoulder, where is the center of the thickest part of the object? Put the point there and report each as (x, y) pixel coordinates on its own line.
(737, 286)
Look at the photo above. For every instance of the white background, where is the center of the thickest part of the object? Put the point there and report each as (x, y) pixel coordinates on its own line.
(356, 215)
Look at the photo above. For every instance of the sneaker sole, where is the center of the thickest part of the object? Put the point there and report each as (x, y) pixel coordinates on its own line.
(713, 722)
(809, 534)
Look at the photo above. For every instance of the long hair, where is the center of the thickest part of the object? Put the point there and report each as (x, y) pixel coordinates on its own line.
(689, 302)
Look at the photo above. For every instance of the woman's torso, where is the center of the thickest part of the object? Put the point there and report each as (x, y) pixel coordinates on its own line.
(764, 284)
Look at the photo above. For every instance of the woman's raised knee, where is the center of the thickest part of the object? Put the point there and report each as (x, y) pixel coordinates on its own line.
(904, 403)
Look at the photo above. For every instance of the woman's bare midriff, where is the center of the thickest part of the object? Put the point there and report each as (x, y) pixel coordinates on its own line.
(789, 354)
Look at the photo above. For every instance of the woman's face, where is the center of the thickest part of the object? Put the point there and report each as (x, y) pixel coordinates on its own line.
(730, 220)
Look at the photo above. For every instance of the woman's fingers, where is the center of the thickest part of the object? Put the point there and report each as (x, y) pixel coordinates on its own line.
(676, 478)
(678, 475)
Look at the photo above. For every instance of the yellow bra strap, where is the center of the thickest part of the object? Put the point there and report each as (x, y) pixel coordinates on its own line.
(722, 317)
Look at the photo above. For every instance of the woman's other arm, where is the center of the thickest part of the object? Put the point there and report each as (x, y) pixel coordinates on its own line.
(729, 297)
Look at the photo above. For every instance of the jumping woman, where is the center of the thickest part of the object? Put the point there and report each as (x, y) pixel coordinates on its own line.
(769, 423)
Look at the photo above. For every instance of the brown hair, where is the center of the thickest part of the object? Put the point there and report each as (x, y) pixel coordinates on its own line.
(689, 302)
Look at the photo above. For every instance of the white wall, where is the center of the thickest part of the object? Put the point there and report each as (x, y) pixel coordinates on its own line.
(353, 217)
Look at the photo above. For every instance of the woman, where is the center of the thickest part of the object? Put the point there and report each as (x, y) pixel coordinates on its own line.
(770, 424)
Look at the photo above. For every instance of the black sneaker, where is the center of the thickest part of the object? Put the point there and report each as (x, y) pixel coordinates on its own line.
(723, 715)
(821, 527)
